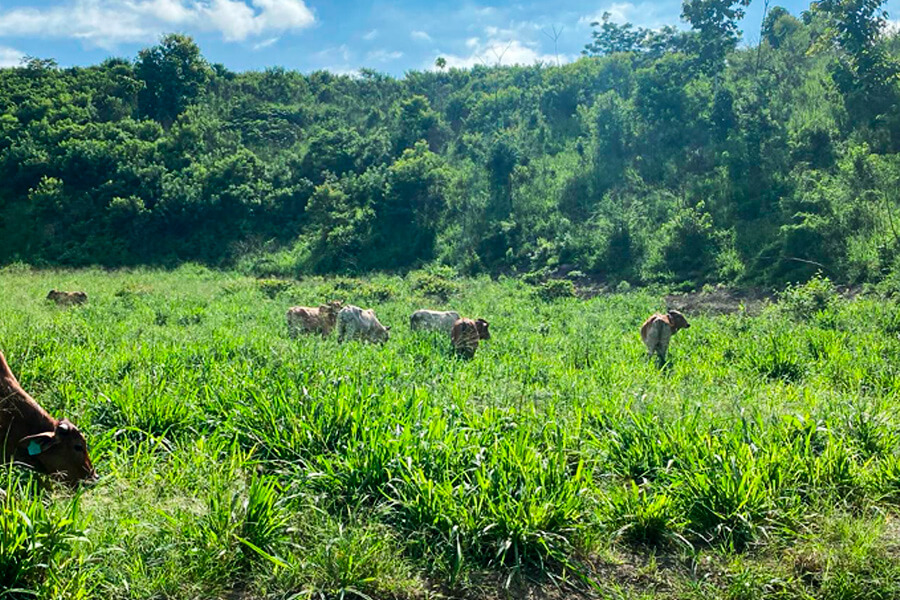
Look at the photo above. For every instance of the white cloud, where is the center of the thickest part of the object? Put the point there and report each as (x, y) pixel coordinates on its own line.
(106, 23)
(370, 35)
(10, 57)
(498, 52)
(421, 36)
(334, 54)
(384, 55)
(265, 43)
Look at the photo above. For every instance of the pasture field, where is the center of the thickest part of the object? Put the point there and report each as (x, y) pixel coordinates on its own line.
(235, 462)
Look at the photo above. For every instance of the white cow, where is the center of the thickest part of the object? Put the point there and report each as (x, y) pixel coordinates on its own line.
(433, 320)
(356, 323)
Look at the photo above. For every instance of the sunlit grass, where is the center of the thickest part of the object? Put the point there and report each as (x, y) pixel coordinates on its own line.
(236, 460)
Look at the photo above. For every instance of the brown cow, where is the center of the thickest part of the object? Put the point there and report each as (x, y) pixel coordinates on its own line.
(34, 438)
(465, 336)
(307, 319)
(658, 330)
(67, 298)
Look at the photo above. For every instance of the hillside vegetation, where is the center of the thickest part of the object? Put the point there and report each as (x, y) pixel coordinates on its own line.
(236, 462)
(663, 156)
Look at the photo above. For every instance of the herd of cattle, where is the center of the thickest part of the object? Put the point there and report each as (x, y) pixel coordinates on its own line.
(57, 448)
(354, 323)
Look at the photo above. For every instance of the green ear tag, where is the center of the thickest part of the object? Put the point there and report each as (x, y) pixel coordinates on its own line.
(33, 448)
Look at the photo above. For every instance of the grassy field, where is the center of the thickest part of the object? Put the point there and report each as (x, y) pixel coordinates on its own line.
(236, 462)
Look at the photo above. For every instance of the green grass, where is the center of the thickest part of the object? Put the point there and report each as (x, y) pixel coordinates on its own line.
(235, 462)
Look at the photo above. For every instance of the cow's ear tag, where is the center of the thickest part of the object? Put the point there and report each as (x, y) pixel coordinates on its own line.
(33, 448)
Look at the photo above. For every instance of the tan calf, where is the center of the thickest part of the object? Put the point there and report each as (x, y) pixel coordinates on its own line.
(306, 319)
(657, 331)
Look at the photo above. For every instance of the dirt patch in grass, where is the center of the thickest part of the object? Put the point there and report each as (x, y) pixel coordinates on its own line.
(721, 301)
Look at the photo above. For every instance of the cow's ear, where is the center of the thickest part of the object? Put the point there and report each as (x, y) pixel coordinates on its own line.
(38, 443)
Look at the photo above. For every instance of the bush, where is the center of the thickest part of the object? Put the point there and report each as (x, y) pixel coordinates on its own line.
(555, 289)
(363, 291)
(273, 287)
(432, 284)
(803, 301)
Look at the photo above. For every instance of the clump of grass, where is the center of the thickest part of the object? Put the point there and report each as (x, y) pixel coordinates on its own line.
(640, 448)
(726, 494)
(778, 358)
(35, 540)
(642, 517)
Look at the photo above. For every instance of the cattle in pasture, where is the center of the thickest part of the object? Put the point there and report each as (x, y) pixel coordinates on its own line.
(355, 323)
(67, 298)
(308, 319)
(433, 320)
(658, 330)
(33, 438)
(465, 336)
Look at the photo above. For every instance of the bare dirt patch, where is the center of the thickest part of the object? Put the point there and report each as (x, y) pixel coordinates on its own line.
(721, 301)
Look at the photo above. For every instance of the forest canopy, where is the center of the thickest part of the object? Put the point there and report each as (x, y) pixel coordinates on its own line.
(672, 155)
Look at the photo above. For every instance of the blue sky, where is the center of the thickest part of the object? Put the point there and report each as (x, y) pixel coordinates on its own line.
(338, 35)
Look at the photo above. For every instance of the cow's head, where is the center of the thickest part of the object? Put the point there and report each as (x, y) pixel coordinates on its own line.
(61, 453)
(383, 334)
(54, 295)
(482, 326)
(677, 321)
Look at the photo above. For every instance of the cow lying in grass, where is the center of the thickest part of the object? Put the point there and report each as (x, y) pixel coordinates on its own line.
(658, 330)
(34, 438)
(465, 336)
(67, 298)
(433, 320)
(357, 324)
(307, 319)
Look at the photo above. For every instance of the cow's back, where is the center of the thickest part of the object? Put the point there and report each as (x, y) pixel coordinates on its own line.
(303, 319)
(433, 320)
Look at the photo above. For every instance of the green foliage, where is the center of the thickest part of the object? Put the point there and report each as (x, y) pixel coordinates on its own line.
(555, 289)
(663, 156)
(174, 75)
(433, 283)
(804, 301)
(271, 288)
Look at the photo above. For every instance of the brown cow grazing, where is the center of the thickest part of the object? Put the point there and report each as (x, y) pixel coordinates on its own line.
(658, 330)
(306, 319)
(67, 298)
(34, 438)
(465, 336)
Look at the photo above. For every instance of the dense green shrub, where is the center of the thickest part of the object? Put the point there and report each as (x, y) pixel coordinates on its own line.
(555, 289)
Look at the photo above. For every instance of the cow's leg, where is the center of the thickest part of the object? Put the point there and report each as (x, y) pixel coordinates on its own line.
(652, 341)
(663, 348)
